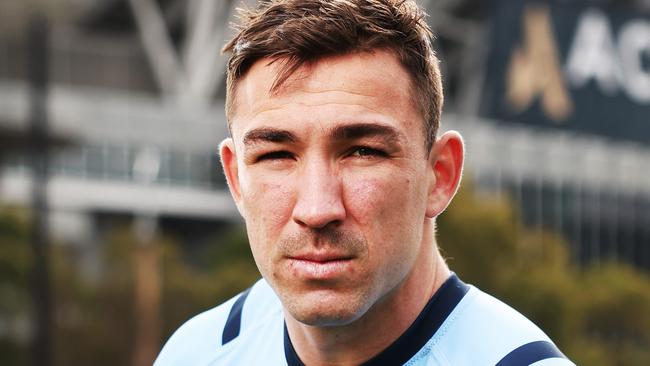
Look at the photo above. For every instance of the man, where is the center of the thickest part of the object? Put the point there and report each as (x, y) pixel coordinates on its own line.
(334, 163)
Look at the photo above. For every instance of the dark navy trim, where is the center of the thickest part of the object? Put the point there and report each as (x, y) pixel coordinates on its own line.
(233, 324)
(290, 352)
(530, 353)
(435, 312)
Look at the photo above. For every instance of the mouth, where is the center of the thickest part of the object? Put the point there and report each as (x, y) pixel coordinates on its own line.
(320, 266)
(321, 257)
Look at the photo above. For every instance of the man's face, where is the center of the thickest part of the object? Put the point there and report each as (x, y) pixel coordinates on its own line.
(332, 178)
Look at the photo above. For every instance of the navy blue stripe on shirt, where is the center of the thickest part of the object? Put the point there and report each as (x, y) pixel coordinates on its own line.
(289, 352)
(233, 323)
(530, 353)
(436, 311)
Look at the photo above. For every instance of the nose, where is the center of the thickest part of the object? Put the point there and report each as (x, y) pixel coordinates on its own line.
(319, 202)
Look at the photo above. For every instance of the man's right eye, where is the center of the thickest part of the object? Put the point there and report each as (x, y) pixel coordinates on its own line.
(275, 155)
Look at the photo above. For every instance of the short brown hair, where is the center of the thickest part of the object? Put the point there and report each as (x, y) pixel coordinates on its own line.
(298, 32)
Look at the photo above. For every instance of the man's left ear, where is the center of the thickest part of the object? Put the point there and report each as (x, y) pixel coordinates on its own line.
(446, 163)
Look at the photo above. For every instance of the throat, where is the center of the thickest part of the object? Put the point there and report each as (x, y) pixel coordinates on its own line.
(351, 344)
(391, 328)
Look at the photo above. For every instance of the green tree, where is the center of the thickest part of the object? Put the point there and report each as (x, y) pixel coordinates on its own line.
(598, 315)
(15, 305)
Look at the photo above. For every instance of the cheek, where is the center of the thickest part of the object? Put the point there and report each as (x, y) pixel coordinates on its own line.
(387, 211)
(365, 199)
(267, 205)
(267, 208)
(381, 201)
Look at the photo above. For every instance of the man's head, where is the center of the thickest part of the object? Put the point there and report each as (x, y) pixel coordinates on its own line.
(328, 161)
(298, 32)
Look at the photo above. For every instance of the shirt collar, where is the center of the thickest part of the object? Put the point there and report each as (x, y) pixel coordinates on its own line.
(434, 313)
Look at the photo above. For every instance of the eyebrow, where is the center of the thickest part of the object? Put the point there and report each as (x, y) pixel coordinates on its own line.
(362, 130)
(344, 132)
(266, 134)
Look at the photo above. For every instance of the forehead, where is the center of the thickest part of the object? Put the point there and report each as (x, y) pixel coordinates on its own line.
(374, 82)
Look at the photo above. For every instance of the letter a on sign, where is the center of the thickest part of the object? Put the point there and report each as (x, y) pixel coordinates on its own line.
(534, 69)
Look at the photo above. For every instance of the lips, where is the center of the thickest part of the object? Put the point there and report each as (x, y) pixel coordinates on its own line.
(320, 266)
(321, 257)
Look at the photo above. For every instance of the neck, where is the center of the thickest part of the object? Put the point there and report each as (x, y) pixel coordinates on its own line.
(382, 324)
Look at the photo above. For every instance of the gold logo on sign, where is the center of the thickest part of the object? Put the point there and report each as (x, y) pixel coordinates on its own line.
(534, 70)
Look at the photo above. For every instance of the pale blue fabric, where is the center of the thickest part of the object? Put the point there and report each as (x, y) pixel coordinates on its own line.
(481, 330)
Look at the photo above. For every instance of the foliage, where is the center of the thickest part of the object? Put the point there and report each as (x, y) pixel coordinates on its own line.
(226, 268)
(599, 315)
(14, 287)
(94, 318)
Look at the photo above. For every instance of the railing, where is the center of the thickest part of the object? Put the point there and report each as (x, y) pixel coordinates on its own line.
(84, 60)
(594, 191)
(117, 163)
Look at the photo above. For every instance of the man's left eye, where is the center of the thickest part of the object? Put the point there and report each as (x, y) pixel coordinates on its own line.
(364, 151)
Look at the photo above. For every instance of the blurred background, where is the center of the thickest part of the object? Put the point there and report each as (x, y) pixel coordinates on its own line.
(116, 224)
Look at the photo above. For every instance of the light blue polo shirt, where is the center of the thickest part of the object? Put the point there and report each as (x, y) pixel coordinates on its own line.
(460, 325)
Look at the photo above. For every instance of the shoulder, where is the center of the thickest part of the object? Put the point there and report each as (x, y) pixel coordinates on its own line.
(206, 336)
(482, 330)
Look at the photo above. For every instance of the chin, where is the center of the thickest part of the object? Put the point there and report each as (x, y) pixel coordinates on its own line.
(325, 319)
(326, 311)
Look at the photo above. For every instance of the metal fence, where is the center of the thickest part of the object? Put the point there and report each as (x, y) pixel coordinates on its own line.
(595, 192)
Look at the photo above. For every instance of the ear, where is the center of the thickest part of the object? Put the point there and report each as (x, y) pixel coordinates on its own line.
(231, 170)
(446, 164)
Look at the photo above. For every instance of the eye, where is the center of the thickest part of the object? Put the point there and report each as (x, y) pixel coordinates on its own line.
(275, 155)
(364, 151)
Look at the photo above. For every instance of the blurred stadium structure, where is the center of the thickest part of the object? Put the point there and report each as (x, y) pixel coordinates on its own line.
(552, 96)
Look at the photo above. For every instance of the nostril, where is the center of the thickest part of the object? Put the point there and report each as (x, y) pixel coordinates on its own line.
(319, 220)
(319, 201)
(317, 213)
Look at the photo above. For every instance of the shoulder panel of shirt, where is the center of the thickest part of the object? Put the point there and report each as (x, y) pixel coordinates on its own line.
(482, 330)
(200, 339)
